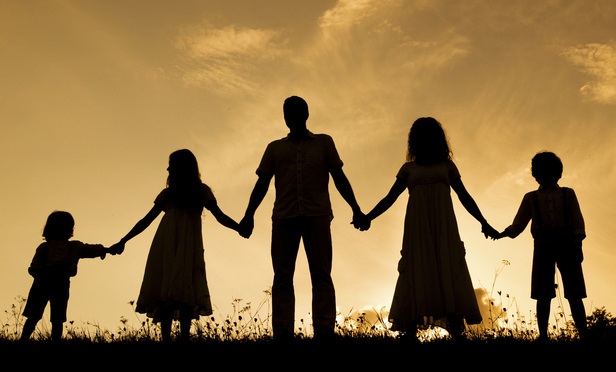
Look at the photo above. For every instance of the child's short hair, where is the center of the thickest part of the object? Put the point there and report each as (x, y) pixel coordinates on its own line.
(59, 226)
(546, 167)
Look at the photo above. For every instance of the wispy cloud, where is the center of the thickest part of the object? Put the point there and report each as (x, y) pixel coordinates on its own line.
(226, 58)
(349, 12)
(598, 61)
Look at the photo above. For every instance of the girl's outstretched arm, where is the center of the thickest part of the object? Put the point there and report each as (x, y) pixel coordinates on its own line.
(471, 206)
(221, 217)
(143, 223)
(396, 189)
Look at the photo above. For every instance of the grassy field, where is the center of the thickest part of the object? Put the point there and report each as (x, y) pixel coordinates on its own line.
(245, 342)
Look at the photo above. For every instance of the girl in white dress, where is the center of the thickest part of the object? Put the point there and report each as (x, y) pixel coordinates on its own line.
(174, 284)
(434, 283)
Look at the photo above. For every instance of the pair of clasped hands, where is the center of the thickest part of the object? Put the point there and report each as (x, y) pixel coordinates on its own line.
(362, 222)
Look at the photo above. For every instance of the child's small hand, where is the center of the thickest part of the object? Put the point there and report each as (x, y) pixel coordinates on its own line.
(117, 248)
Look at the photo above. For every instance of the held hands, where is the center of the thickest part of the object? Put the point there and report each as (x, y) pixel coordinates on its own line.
(490, 232)
(361, 221)
(247, 224)
(502, 234)
(117, 248)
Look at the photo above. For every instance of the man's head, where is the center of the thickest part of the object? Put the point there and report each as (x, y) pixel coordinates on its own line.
(296, 114)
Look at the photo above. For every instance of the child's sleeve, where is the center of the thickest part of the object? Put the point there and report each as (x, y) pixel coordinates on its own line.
(92, 251)
(522, 217)
(37, 266)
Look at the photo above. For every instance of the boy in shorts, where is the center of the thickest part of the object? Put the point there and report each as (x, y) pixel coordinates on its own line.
(558, 229)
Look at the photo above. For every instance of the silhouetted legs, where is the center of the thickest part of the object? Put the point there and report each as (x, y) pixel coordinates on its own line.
(166, 321)
(407, 332)
(286, 237)
(56, 330)
(30, 324)
(185, 323)
(578, 312)
(543, 317)
(53, 290)
(456, 326)
(28, 329)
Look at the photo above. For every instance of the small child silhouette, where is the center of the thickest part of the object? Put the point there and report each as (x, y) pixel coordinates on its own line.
(558, 229)
(54, 263)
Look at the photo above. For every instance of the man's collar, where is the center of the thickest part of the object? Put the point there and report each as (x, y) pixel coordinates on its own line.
(307, 134)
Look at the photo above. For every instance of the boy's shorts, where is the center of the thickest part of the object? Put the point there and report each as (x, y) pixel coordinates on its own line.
(567, 256)
(46, 290)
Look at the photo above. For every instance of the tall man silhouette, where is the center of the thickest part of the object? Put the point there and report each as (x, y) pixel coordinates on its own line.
(301, 164)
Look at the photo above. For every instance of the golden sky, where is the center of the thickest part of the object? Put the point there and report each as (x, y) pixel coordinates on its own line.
(95, 95)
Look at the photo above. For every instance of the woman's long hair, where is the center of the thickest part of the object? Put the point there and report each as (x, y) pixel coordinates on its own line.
(427, 142)
(184, 180)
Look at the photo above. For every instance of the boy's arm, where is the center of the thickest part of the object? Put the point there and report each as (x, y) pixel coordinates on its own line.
(521, 219)
(92, 250)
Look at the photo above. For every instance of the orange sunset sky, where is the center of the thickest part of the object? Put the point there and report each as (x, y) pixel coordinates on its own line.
(95, 95)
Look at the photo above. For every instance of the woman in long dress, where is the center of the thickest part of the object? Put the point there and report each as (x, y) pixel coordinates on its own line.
(434, 283)
(174, 285)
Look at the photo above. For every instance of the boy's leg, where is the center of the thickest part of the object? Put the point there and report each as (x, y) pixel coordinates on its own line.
(56, 330)
(578, 312)
(58, 305)
(570, 268)
(28, 328)
(38, 297)
(543, 317)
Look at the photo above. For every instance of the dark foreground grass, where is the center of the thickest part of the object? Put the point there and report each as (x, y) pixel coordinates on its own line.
(357, 353)
(243, 341)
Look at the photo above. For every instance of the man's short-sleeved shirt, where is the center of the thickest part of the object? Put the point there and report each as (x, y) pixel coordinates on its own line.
(301, 174)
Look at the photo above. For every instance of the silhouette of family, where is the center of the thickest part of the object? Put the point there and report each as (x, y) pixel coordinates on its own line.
(434, 284)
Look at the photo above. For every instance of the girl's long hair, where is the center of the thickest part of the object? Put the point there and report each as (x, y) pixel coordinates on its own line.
(184, 181)
(427, 142)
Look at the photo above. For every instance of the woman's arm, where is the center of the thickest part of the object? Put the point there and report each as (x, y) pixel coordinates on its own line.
(396, 189)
